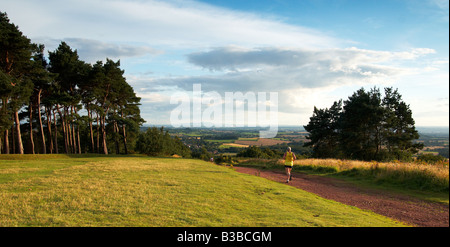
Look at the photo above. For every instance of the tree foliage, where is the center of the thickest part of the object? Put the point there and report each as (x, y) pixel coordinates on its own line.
(158, 142)
(365, 127)
(257, 152)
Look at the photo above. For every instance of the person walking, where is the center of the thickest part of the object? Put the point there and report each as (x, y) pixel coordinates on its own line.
(289, 158)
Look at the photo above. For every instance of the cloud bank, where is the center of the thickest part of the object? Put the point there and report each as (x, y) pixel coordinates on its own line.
(175, 24)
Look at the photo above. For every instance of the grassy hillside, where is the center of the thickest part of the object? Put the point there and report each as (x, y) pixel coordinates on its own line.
(59, 190)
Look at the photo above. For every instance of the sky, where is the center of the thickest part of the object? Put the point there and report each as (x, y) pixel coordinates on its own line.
(310, 52)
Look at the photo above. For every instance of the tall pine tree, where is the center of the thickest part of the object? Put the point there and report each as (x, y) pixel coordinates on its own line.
(15, 62)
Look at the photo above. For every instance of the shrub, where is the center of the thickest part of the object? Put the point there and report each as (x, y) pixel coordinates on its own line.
(157, 142)
(257, 152)
(431, 158)
(412, 175)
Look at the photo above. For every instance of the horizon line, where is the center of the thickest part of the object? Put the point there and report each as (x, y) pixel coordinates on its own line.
(169, 125)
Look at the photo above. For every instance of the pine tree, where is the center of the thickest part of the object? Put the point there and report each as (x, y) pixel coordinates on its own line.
(70, 72)
(323, 129)
(361, 125)
(41, 80)
(399, 130)
(5, 111)
(15, 61)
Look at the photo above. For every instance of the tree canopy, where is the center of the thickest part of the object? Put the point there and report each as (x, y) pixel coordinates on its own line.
(365, 127)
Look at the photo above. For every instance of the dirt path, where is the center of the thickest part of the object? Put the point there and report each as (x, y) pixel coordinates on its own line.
(403, 208)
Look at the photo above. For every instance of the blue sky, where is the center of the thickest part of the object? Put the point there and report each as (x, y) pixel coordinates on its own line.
(312, 52)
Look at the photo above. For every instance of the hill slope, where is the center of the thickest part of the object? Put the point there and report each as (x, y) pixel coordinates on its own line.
(141, 191)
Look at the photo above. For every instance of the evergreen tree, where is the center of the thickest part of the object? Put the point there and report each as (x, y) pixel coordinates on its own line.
(399, 130)
(70, 72)
(15, 61)
(113, 100)
(323, 129)
(5, 111)
(361, 125)
(41, 79)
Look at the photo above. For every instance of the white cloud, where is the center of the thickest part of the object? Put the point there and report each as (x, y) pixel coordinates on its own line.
(233, 57)
(303, 78)
(94, 50)
(185, 24)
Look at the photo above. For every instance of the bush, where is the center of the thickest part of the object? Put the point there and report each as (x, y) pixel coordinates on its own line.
(431, 158)
(202, 154)
(225, 159)
(157, 142)
(256, 152)
(411, 175)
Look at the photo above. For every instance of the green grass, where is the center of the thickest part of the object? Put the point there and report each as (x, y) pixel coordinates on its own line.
(248, 139)
(89, 190)
(228, 146)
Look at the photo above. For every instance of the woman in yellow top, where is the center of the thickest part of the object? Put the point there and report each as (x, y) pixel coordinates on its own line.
(289, 158)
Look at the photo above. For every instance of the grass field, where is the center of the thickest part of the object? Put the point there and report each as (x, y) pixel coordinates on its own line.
(260, 141)
(89, 190)
(234, 145)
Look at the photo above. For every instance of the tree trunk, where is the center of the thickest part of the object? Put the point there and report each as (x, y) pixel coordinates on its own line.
(68, 130)
(124, 140)
(69, 136)
(105, 148)
(66, 143)
(19, 136)
(98, 134)
(6, 142)
(74, 139)
(71, 131)
(78, 136)
(79, 144)
(75, 146)
(44, 148)
(30, 110)
(90, 129)
(49, 127)
(13, 137)
(6, 137)
(116, 135)
(124, 137)
(56, 132)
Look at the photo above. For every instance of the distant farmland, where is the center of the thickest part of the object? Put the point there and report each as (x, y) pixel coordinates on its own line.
(235, 145)
(260, 142)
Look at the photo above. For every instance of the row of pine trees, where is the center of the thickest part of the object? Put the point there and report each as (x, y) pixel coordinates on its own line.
(63, 104)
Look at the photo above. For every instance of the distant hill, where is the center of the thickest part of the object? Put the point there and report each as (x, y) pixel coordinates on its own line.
(421, 129)
(433, 129)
